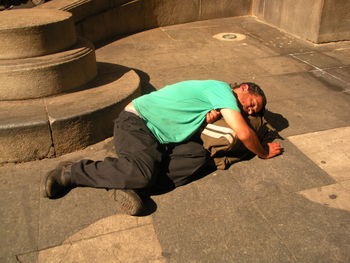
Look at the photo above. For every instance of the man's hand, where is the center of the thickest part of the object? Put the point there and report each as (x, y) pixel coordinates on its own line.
(274, 149)
(212, 116)
(247, 136)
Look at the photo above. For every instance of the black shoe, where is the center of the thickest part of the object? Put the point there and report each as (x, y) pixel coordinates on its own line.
(129, 202)
(58, 181)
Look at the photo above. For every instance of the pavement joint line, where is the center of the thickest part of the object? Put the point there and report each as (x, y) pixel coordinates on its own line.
(330, 196)
(336, 67)
(104, 234)
(169, 28)
(247, 33)
(66, 253)
(275, 232)
(38, 224)
(306, 62)
(70, 243)
(166, 33)
(39, 217)
(253, 201)
(319, 69)
(43, 249)
(142, 224)
(311, 156)
(303, 53)
(336, 183)
(301, 134)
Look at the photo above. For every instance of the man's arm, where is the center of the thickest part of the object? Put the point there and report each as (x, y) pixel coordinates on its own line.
(247, 136)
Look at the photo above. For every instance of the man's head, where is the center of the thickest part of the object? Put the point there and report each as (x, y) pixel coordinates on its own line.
(251, 97)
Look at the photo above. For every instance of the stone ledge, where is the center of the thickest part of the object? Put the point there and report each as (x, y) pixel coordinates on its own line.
(40, 128)
(86, 117)
(24, 131)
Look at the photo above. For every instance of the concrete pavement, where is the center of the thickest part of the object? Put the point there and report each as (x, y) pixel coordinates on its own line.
(293, 208)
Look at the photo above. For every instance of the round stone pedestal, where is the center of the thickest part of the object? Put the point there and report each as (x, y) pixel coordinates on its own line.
(35, 32)
(48, 75)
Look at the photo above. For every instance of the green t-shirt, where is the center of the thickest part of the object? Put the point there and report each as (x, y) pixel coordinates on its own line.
(175, 112)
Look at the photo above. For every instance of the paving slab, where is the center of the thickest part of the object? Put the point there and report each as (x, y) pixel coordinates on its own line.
(22, 209)
(334, 195)
(342, 54)
(290, 172)
(162, 78)
(224, 232)
(311, 231)
(328, 149)
(321, 113)
(219, 210)
(84, 206)
(346, 184)
(331, 80)
(110, 224)
(295, 85)
(19, 211)
(281, 65)
(138, 244)
(341, 74)
(323, 60)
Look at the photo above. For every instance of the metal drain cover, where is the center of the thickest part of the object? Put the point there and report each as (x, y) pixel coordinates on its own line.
(229, 36)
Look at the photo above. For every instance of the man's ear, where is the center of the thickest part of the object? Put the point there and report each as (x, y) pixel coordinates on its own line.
(244, 87)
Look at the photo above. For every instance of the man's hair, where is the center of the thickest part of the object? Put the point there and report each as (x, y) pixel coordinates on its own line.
(253, 89)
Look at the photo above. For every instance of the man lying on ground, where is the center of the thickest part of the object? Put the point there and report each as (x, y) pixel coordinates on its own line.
(159, 133)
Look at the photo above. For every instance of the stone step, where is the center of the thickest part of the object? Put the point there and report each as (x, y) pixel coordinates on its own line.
(42, 76)
(52, 126)
(35, 32)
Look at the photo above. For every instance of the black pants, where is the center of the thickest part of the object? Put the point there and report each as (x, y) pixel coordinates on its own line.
(142, 161)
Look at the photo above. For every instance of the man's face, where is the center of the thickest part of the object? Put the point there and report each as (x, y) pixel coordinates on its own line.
(251, 103)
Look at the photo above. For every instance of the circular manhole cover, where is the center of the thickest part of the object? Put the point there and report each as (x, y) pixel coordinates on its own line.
(229, 36)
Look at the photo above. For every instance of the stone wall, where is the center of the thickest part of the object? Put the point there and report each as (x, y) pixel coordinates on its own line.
(335, 21)
(102, 19)
(313, 20)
